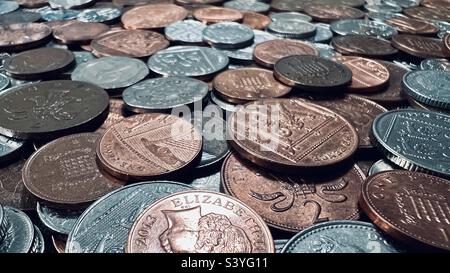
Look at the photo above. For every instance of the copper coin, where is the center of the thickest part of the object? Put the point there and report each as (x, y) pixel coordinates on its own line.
(32, 3)
(360, 112)
(419, 46)
(442, 4)
(428, 14)
(146, 146)
(129, 43)
(447, 42)
(23, 36)
(412, 26)
(64, 172)
(256, 20)
(364, 46)
(153, 16)
(59, 243)
(199, 222)
(248, 84)
(293, 203)
(410, 206)
(211, 15)
(291, 135)
(367, 75)
(269, 52)
(78, 32)
(329, 13)
(116, 114)
(38, 63)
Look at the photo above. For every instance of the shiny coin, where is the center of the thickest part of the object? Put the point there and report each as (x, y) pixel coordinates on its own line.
(256, 20)
(403, 3)
(51, 15)
(10, 148)
(412, 26)
(4, 81)
(187, 31)
(8, 6)
(382, 7)
(23, 36)
(38, 245)
(435, 64)
(428, 13)
(190, 212)
(206, 183)
(419, 46)
(70, 4)
(99, 15)
(78, 32)
(247, 5)
(228, 35)
(59, 243)
(326, 51)
(290, 16)
(211, 15)
(291, 28)
(364, 46)
(153, 16)
(330, 13)
(58, 220)
(279, 244)
(381, 165)
(363, 27)
(225, 106)
(18, 232)
(323, 34)
(19, 17)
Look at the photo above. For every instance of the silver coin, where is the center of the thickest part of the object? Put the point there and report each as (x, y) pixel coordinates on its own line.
(101, 15)
(228, 35)
(402, 3)
(292, 29)
(406, 65)
(435, 64)
(290, 16)
(80, 57)
(105, 225)
(326, 51)
(190, 61)
(18, 232)
(18, 17)
(111, 72)
(58, 220)
(187, 31)
(163, 94)
(247, 5)
(323, 34)
(1, 223)
(381, 166)
(8, 6)
(68, 4)
(279, 244)
(382, 17)
(207, 183)
(38, 245)
(9, 147)
(383, 8)
(225, 106)
(58, 14)
(363, 27)
(444, 28)
(4, 81)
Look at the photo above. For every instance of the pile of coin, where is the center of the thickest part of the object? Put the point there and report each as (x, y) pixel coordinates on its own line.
(237, 126)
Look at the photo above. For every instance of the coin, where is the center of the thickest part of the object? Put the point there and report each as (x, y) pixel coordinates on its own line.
(269, 52)
(19, 232)
(211, 15)
(209, 182)
(291, 28)
(19, 17)
(340, 237)
(23, 36)
(129, 43)
(329, 13)
(32, 3)
(163, 94)
(279, 244)
(444, 28)
(99, 15)
(446, 40)
(415, 140)
(51, 15)
(228, 35)
(412, 26)
(225, 106)
(153, 16)
(363, 27)
(364, 46)
(413, 104)
(435, 64)
(248, 84)
(381, 165)
(59, 243)
(79, 32)
(10, 148)
(326, 51)
(274, 196)
(187, 31)
(289, 5)
(111, 72)
(104, 226)
(8, 6)
(367, 75)
(290, 16)
(70, 4)
(300, 140)
(80, 57)
(360, 112)
(246, 5)
(165, 145)
(383, 7)
(409, 206)
(184, 222)
(444, 4)
(428, 14)
(419, 46)
(58, 220)
(190, 61)
(351, 3)
(311, 73)
(38, 245)
(256, 20)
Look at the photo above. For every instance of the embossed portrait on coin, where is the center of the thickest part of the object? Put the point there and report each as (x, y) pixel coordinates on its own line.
(191, 232)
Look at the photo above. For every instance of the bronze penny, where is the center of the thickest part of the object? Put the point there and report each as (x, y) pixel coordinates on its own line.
(428, 14)
(367, 75)
(248, 84)
(419, 46)
(364, 46)
(146, 146)
(153, 16)
(446, 40)
(64, 172)
(59, 243)
(256, 20)
(199, 222)
(17, 37)
(129, 43)
(360, 112)
(293, 203)
(32, 3)
(116, 114)
(38, 63)
(441, 4)
(412, 26)
(329, 13)
(269, 52)
(212, 15)
(78, 32)
(291, 135)
(410, 206)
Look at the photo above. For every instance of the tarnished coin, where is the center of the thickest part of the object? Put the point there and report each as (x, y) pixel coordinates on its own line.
(64, 172)
(419, 46)
(269, 52)
(99, 15)
(247, 5)
(228, 35)
(32, 3)
(413, 26)
(190, 61)
(187, 31)
(19, 17)
(381, 165)
(8, 6)
(70, 4)
(367, 75)
(23, 36)
(290, 16)
(415, 140)
(129, 43)
(211, 15)
(340, 237)
(18, 232)
(435, 64)
(409, 206)
(424, 13)
(79, 32)
(365, 46)
(360, 112)
(10, 148)
(248, 84)
(329, 13)
(163, 94)
(61, 221)
(153, 16)
(256, 20)
(104, 226)
(312, 73)
(275, 197)
(291, 28)
(164, 145)
(184, 222)
(291, 134)
(111, 72)
(363, 27)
